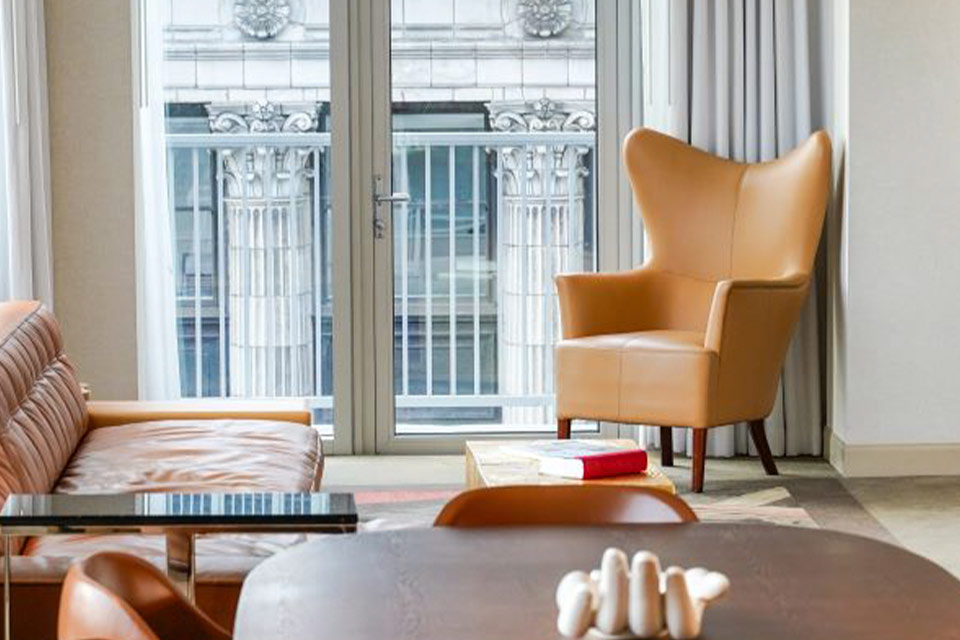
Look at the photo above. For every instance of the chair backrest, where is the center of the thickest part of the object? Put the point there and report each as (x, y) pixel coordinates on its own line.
(42, 412)
(563, 505)
(116, 596)
(710, 219)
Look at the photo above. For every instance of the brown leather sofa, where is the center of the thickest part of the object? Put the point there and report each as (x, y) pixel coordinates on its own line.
(53, 441)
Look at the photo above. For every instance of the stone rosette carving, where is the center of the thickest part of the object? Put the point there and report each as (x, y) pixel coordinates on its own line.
(545, 18)
(261, 19)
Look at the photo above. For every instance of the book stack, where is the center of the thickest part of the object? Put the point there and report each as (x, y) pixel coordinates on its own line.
(583, 459)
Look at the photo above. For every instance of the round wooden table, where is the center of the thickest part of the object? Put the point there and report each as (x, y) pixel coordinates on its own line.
(499, 583)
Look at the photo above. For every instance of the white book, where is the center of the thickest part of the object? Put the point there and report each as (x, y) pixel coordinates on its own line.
(543, 449)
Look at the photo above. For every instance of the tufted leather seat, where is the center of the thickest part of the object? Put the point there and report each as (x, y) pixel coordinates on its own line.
(52, 440)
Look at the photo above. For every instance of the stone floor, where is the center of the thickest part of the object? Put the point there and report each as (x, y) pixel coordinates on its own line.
(922, 514)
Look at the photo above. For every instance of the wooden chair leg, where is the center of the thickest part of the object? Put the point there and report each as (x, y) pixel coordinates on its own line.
(759, 436)
(563, 428)
(699, 459)
(666, 447)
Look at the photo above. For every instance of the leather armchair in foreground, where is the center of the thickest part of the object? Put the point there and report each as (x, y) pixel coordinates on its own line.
(116, 596)
(53, 441)
(696, 336)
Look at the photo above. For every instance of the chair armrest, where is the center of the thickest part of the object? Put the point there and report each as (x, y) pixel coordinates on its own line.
(601, 303)
(757, 308)
(750, 326)
(112, 413)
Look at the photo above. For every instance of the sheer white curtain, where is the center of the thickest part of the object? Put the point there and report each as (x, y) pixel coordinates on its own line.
(734, 77)
(26, 265)
(157, 353)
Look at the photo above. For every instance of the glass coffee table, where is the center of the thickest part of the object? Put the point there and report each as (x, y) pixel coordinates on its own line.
(178, 516)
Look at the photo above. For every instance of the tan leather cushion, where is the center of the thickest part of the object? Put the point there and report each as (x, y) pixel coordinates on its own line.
(184, 456)
(202, 456)
(660, 377)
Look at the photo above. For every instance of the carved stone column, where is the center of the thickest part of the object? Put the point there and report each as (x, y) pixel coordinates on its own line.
(268, 215)
(541, 233)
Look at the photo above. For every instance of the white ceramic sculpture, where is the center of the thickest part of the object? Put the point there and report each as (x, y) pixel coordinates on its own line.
(642, 602)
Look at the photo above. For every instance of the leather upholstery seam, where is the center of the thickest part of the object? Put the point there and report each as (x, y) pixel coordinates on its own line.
(619, 385)
(685, 275)
(43, 374)
(702, 350)
(733, 219)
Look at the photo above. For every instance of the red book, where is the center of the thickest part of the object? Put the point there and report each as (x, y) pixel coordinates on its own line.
(597, 465)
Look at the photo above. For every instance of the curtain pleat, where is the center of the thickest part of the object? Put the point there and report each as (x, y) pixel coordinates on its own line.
(157, 350)
(26, 263)
(740, 86)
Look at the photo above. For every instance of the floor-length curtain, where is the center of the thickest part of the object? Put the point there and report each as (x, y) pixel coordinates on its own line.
(26, 265)
(734, 77)
(157, 352)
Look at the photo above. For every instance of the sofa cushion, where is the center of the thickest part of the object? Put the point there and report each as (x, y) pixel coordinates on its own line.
(205, 456)
(187, 456)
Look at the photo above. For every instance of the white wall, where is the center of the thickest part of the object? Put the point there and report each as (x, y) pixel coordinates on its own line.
(896, 318)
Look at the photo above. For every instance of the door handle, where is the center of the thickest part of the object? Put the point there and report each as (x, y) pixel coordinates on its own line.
(379, 222)
(393, 197)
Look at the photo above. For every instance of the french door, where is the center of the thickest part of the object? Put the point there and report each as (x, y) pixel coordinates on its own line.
(485, 179)
(370, 200)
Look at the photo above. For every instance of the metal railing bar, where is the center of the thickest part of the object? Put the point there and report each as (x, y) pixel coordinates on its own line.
(452, 224)
(318, 297)
(197, 328)
(474, 400)
(270, 285)
(551, 241)
(246, 286)
(172, 204)
(428, 258)
(292, 264)
(221, 275)
(501, 187)
(401, 139)
(404, 280)
(476, 270)
(494, 138)
(522, 219)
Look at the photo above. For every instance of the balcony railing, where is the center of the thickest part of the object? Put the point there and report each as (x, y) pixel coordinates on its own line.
(493, 216)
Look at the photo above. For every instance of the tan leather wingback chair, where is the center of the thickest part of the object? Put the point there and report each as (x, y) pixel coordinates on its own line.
(697, 335)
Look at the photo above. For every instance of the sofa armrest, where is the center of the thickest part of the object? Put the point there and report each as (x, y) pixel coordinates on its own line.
(112, 413)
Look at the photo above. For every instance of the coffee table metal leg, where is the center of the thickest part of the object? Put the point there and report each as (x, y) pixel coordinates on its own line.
(6, 587)
(181, 562)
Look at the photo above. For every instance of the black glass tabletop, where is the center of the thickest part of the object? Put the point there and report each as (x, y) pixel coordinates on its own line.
(179, 509)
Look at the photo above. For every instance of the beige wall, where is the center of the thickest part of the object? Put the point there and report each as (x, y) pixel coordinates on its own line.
(91, 152)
